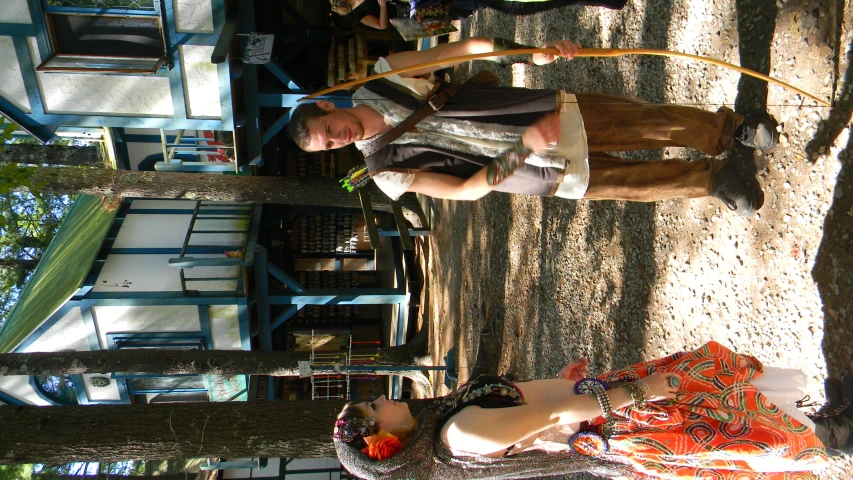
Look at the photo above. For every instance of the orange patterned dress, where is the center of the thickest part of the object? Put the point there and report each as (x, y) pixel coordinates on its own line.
(719, 427)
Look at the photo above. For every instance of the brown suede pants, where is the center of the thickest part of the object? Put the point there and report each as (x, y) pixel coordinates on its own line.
(615, 123)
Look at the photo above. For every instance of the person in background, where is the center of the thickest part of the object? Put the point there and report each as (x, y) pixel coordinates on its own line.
(377, 13)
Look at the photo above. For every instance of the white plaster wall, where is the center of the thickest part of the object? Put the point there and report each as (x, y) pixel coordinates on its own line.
(153, 231)
(19, 387)
(225, 327)
(69, 333)
(217, 239)
(131, 95)
(15, 11)
(162, 204)
(172, 318)
(152, 273)
(194, 16)
(221, 224)
(138, 273)
(201, 82)
(93, 94)
(138, 151)
(207, 272)
(101, 394)
(11, 81)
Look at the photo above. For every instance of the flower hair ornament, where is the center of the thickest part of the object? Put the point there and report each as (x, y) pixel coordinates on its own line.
(384, 447)
(349, 429)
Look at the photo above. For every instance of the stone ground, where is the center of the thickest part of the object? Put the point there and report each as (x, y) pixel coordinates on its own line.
(550, 280)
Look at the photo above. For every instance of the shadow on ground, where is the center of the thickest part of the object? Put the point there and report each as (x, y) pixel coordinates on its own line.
(834, 262)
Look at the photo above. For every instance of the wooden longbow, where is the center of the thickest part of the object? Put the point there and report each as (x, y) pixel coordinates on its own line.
(584, 52)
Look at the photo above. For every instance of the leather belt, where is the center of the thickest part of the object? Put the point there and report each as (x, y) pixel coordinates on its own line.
(431, 106)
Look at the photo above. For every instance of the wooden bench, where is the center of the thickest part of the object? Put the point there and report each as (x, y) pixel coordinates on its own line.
(375, 232)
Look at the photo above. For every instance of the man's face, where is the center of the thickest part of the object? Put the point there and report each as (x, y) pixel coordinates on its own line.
(337, 129)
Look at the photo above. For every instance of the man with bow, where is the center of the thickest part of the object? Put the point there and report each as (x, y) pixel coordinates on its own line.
(462, 142)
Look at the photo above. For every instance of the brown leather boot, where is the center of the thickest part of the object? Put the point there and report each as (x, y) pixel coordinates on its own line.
(727, 186)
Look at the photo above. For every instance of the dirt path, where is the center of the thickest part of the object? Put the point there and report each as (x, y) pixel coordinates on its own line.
(620, 282)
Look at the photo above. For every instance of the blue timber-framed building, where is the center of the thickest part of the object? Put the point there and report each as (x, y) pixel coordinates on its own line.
(167, 65)
(138, 78)
(168, 274)
(106, 282)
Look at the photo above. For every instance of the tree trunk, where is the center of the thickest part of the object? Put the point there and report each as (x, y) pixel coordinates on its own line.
(56, 435)
(108, 476)
(190, 362)
(201, 186)
(52, 155)
(19, 264)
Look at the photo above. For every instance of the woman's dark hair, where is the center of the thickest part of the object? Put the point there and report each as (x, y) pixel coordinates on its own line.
(297, 128)
(341, 7)
(353, 422)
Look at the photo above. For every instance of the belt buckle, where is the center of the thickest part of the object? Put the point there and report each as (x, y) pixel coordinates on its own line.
(433, 105)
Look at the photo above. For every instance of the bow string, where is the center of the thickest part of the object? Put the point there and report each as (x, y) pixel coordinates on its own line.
(584, 52)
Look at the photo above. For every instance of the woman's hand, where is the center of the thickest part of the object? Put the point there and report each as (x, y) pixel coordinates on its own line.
(544, 134)
(566, 48)
(660, 387)
(381, 2)
(574, 371)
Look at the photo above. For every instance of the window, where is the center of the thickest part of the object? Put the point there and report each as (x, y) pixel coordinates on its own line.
(121, 36)
(58, 389)
(161, 389)
(111, 4)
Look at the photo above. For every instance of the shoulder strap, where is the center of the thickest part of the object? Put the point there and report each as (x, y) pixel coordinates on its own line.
(435, 102)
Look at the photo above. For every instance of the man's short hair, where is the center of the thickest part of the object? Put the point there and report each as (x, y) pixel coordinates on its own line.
(297, 128)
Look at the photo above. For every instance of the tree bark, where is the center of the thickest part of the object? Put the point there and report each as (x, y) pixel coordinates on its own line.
(201, 186)
(19, 264)
(192, 362)
(52, 155)
(108, 476)
(56, 435)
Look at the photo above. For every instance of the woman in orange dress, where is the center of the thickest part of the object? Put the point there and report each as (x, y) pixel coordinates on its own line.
(703, 414)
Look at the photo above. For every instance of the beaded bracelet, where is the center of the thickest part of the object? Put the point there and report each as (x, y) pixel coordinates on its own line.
(603, 400)
(639, 393)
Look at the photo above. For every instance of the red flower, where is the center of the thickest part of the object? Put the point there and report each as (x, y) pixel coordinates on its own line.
(385, 447)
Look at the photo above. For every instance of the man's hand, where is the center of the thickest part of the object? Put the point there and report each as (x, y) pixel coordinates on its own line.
(567, 50)
(544, 134)
(381, 2)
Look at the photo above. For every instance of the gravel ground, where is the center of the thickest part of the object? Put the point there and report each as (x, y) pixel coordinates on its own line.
(549, 280)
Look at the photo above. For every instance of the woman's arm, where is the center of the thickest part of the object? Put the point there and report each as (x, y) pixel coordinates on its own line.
(444, 50)
(380, 23)
(373, 22)
(489, 430)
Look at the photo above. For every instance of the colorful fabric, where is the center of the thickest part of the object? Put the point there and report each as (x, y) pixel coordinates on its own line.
(719, 427)
(430, 8)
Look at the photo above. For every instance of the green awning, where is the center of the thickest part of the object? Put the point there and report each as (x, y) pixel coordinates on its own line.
(62, 269)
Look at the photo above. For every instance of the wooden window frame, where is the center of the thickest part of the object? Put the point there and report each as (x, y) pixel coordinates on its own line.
(157, 62)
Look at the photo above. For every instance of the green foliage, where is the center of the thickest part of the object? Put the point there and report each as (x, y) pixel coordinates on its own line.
(29, 224)
(6, 134)
(16, 472)
(9, 130)
(12, 176)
